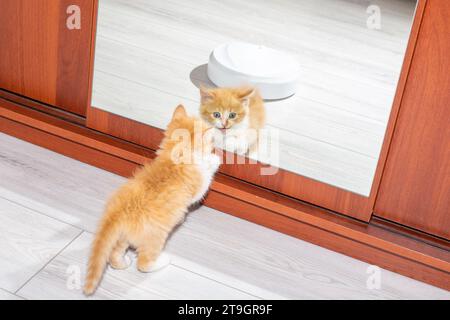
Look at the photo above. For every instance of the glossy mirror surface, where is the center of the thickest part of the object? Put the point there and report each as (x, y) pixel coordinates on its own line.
(151, 55)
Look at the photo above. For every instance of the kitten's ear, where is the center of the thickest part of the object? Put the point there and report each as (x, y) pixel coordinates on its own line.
(245, 96)
(205, 94)
(180, 112)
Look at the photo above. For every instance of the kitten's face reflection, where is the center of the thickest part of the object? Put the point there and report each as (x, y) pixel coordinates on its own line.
(223, 117)
(223, 109)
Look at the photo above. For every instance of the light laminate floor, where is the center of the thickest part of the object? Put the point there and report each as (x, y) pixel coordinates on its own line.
(49, 207)
(150, 53)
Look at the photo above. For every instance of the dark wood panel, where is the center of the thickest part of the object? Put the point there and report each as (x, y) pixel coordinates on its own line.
(46, 108)
(415, 188)
(68, 148)
(28, 51)
(74, 58)
(284, 182)
(40, 57)
(73, 132)
(124, 128)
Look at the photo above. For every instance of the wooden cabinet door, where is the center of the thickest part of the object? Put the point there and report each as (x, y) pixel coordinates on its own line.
(415, 187)
(40, 57)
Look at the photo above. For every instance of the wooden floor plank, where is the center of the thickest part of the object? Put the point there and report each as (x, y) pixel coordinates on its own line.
(52, 184)
(286, 266)
(5, 295)
(28, 241)
(62, 279)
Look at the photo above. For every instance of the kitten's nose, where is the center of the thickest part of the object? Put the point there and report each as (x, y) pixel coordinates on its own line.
(224, 123)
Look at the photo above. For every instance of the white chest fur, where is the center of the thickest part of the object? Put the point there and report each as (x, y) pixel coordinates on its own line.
(207, 165)
(236, 139)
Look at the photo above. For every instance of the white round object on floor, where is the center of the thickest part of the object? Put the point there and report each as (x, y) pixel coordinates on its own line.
(273, 72)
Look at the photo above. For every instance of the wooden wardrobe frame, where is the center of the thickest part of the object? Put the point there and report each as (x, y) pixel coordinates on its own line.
(328, 216)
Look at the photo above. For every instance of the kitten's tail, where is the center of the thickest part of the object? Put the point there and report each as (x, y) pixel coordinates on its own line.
(102, 246)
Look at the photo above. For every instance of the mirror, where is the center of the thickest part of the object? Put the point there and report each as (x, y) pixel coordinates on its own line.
(151, 55)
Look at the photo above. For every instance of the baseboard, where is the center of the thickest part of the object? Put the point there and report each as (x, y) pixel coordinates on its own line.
(406, 253)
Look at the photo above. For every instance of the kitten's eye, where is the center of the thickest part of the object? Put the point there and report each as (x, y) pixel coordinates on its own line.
(232, 115)
(217, 115)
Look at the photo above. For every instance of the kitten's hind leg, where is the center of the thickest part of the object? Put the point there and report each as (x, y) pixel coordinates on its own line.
(149, 251)
(117, 258)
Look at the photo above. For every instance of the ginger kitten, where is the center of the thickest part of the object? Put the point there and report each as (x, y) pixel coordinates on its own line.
(145, 210)
(238, 114)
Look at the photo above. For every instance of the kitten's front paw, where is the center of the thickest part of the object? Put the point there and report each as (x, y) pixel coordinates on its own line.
(161, 262)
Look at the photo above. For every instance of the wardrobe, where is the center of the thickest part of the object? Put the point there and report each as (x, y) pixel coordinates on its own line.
(52, 95)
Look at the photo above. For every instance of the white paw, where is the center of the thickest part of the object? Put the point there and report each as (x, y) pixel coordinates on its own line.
(160, 263)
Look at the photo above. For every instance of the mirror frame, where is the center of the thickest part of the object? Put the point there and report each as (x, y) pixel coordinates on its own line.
(285, 182)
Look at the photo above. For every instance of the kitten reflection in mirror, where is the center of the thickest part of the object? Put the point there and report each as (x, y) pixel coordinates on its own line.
(237, 113)
(146, 209)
